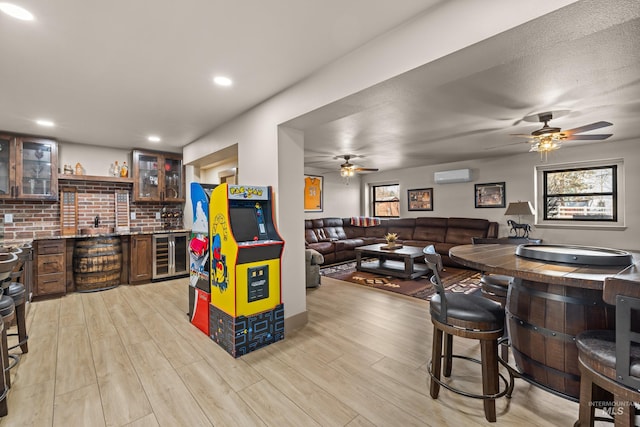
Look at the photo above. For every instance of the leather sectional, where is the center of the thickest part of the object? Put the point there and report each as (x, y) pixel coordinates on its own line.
(336, 238)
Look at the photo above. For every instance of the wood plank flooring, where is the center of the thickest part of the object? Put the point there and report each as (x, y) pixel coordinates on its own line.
(129, 357)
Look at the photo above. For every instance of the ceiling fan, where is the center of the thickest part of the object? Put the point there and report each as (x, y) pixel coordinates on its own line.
(348, 169)
(549, 138)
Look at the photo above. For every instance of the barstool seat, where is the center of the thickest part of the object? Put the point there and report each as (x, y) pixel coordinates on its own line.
(7, 307)
(4, 389)
(17, 291)
(7, 312)
(466, 316)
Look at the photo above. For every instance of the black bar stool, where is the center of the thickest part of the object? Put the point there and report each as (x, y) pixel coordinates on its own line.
(7, 313)
(17, 291)
(609, 361)
(466, 316)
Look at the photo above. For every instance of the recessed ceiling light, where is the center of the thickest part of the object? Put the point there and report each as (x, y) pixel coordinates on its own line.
(47, 123)
(154, 138)
(222, 81)
(16, 11)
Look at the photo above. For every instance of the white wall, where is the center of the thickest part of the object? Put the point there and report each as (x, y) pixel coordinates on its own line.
(95, 160)
(518, 172)
(339, 199)
(257, 135)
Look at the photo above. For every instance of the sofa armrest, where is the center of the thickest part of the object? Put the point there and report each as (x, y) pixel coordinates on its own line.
(311, 256)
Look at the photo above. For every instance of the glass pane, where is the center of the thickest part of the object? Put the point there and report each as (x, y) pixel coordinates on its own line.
(148, 176)
(386, 200)
(386, 209)
(4, 167)
(173, 178)
(181, 254)
(597, 208)
(161, 249)
(36, 168)
(580, 181)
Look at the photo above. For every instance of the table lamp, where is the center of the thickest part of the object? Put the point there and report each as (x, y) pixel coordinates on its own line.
(519, 208)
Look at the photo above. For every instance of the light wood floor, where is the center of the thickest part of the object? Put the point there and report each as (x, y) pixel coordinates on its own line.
(128, 356)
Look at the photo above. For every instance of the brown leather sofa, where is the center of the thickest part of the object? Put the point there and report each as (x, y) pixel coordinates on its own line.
(336, 238)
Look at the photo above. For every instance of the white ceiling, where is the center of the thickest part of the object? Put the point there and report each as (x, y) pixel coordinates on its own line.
(111, 73)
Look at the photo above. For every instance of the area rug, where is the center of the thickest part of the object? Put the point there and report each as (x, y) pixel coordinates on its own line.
(454, 279)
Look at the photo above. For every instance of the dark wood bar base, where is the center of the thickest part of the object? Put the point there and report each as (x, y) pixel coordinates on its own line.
(543, 321)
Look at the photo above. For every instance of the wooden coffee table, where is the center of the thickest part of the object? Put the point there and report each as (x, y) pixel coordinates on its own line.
(391, 262)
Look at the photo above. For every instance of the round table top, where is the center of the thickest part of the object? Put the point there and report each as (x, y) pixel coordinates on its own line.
(502, 259)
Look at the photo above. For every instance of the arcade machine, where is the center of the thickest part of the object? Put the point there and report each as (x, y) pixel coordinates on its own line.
(199, 279)
(246, 310)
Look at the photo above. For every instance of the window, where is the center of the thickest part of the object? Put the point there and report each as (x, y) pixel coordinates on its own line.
(386, 200)
(584, 194)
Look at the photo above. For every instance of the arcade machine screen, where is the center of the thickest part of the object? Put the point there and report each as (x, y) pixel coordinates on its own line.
(247, 224)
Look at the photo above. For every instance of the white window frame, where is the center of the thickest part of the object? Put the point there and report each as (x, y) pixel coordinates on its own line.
(586, 225)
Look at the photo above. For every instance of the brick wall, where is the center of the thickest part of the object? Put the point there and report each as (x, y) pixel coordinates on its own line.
(40, 219)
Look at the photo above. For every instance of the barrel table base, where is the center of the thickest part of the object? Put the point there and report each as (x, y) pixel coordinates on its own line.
(97, 264)
(543, 320)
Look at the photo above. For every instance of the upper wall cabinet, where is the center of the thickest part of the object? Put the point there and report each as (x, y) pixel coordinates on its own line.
(28, 168)
(157, 177)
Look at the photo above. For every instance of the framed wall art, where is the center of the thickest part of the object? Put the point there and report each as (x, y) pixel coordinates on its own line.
(313, 193)
(421, 200)
(490, 195)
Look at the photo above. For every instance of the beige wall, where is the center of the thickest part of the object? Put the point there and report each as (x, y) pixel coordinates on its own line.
(95, 160)
(263, 158)
(518, 173)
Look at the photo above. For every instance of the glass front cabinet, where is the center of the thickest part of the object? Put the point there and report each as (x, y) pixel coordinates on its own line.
(157, 177)
(28, 168)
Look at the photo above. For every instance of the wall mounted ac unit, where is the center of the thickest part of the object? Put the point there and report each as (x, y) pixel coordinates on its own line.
(448, 177)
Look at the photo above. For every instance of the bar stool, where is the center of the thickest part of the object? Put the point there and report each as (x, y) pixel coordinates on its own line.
(7, 313)
(17, 291)
(609, 361)
(4, 390)
(467, 316)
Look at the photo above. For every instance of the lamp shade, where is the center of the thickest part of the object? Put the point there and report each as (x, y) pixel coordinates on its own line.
(519, 208)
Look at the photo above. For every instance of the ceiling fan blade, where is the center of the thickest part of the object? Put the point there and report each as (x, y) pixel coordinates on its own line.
(596, 137)
(523, 135)
(587, 128)
(366, 169)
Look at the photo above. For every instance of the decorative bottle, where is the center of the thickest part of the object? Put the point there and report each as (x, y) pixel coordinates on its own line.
(116, 169)
(124, 170)
(112, 170)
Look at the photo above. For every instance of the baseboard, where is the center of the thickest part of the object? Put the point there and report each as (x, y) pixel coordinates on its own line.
(297, 321)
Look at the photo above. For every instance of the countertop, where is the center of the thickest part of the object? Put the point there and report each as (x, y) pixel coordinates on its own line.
(132, 232)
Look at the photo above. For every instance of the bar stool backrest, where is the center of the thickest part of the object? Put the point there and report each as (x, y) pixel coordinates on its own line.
(434, 263)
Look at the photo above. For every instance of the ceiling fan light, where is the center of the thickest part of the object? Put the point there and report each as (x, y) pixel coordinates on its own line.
(346, 172)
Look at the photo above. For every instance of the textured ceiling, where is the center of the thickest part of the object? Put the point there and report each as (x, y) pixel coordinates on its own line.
(583, 59)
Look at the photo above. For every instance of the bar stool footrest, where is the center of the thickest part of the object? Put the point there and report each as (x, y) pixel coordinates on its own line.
(20, 343)
(508, 385)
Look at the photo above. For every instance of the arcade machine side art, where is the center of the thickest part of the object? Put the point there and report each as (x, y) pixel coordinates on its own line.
(246, 310)
(199, 279)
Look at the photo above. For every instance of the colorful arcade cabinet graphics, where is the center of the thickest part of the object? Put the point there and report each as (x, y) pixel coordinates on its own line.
(246, 310)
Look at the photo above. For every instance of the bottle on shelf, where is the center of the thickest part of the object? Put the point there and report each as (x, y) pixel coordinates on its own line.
(116, 169)
(112, 170)
(124, 170)
(78, 169)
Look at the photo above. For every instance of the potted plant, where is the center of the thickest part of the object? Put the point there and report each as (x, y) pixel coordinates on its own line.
(391, 239)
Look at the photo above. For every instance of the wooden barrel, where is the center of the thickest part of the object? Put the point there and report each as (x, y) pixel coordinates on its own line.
(97, 263)
(543, 320)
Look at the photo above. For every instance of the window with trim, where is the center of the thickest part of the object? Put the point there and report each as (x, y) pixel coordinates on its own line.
(386, 200)
(580, 194)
